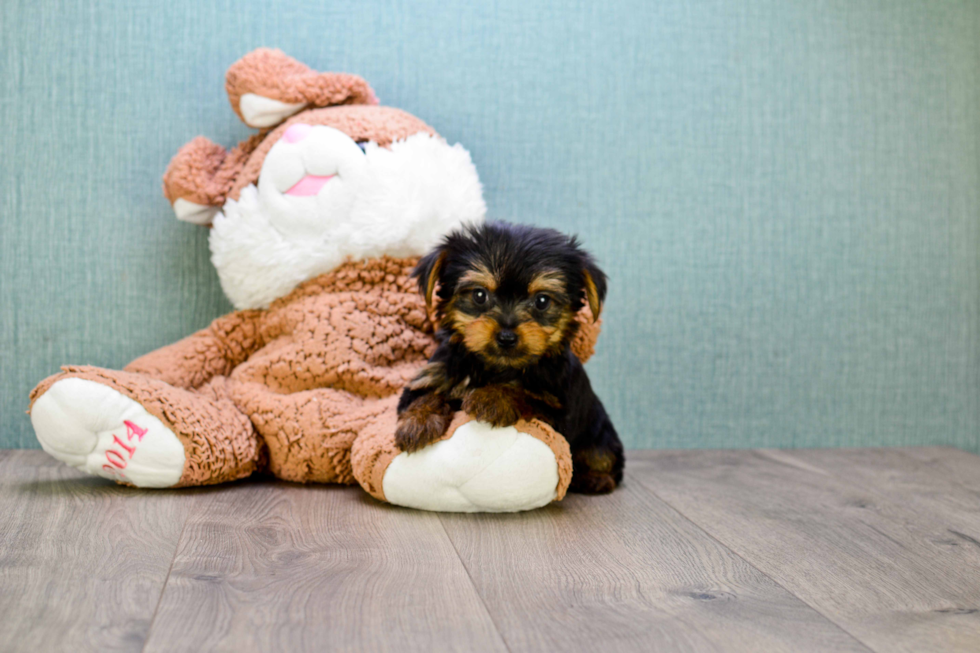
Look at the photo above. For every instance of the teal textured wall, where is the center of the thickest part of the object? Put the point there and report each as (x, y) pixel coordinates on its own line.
(785, 193)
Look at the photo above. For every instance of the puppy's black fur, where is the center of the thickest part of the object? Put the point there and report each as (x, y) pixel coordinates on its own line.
(506, 304)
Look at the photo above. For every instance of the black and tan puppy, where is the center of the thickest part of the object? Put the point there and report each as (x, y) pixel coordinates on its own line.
(506, 303)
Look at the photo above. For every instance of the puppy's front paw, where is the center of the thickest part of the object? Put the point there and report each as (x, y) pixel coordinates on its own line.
(422, 423)
(497, 405)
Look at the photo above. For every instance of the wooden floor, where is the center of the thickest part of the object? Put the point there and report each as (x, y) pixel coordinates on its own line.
(853, 550)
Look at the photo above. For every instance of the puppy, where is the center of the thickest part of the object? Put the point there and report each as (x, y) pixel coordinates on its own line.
(506, 303)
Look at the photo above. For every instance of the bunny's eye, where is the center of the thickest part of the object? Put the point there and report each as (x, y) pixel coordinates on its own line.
(363, 145)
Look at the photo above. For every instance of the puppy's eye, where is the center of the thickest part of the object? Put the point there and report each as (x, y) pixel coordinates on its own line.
(542, 302)
(480, 296)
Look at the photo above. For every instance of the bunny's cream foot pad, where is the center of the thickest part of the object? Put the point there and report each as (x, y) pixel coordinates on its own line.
(100, 431)
(479, 468)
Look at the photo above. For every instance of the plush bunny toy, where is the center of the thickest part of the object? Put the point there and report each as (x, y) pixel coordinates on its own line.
(318, 220)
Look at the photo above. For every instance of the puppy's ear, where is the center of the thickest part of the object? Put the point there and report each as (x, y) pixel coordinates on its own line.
(594, 282)
(427, 272)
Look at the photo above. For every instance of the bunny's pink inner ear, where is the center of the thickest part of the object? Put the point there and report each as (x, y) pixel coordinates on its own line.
(261, 112)
(266, 86)
(194, 213)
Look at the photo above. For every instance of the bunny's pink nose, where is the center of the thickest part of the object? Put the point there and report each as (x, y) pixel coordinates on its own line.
(297, 132)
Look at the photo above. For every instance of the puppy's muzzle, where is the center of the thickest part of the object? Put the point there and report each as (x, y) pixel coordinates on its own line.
(506, 339)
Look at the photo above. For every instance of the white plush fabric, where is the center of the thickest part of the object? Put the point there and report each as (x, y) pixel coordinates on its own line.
(77, 421)
(478, 469)
(398, 201)
(193, 212)
(260, 112)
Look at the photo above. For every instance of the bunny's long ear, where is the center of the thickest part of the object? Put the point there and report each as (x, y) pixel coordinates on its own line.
(265, 87)
(199, 177)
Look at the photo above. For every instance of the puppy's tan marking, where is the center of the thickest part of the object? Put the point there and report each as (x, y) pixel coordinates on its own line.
(533, 338)
(430, 284)
(549, 281)
(592, 294)
(558, 333)
(479, 333)
(480, 276)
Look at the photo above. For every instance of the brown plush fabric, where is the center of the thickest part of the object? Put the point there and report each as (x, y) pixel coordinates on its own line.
(214, 351)
(337, 346)
(203, 172)
(583, 344)
(374, 449)
(272, 74)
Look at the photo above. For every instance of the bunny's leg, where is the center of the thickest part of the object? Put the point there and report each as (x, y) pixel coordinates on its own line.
(141, 431)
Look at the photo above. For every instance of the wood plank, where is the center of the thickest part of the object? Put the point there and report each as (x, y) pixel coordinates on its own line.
(279, 567)
(920, 486)
(625, 572)
(82, 560)
(882, 571)
(955, 464)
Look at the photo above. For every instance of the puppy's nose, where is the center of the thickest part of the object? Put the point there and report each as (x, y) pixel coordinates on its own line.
(506, 339)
